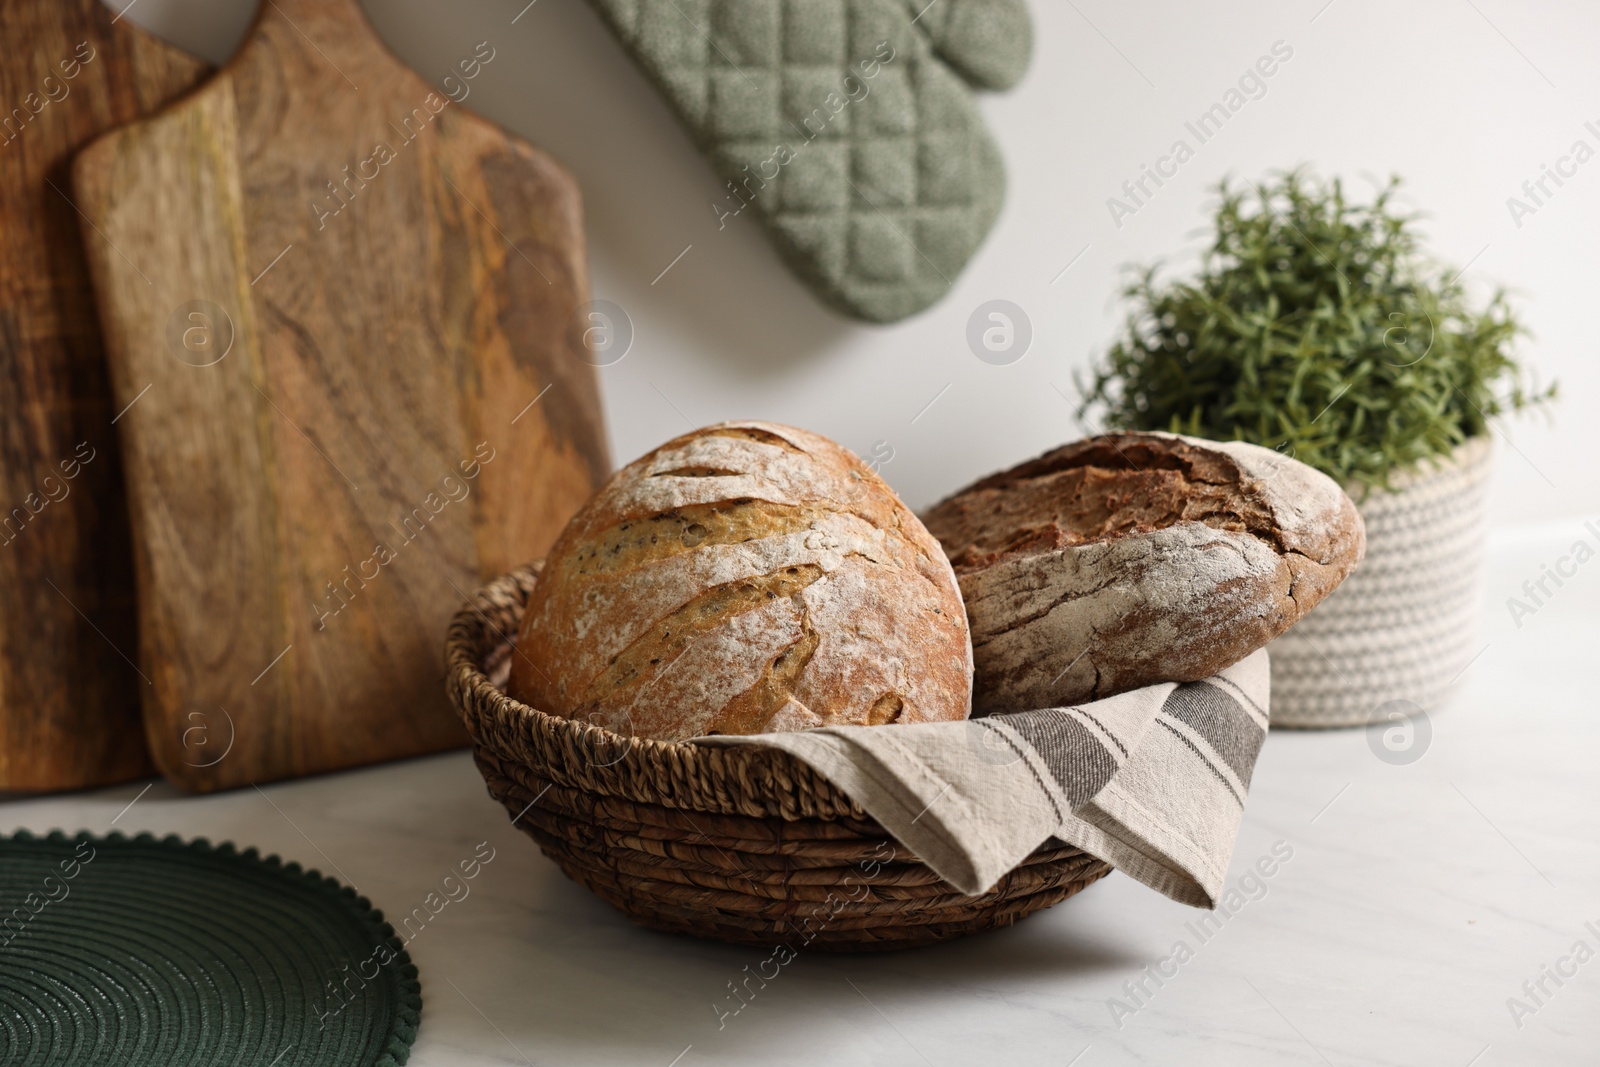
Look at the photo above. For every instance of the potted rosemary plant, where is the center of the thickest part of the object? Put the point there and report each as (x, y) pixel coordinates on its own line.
(1316, 326)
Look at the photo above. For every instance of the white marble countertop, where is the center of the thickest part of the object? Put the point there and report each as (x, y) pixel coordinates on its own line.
(1418, 901)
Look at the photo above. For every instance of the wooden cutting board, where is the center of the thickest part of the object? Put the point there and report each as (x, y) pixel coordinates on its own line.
(349, 318)
(69, 689)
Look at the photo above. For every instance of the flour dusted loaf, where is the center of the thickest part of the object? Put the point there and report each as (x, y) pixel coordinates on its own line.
(744, 578)
(1135, 558)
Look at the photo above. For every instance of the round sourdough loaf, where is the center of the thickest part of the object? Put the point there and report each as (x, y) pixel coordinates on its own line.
(1135, 558)
(744, 578)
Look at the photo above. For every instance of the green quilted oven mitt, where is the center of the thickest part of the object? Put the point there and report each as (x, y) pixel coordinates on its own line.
(846, 126)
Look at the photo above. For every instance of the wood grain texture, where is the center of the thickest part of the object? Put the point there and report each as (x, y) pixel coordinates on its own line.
(69, 690)
(389, 283)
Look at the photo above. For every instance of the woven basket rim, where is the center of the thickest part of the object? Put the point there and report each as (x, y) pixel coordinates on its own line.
(1401, 624)
(466, 654)
(747, 780)
(1471, 454)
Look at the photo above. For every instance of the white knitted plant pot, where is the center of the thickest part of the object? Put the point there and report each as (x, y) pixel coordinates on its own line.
(1403, 626)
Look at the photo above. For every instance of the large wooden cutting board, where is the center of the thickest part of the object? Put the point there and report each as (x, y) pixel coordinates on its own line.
(69, 689)
(348, 315)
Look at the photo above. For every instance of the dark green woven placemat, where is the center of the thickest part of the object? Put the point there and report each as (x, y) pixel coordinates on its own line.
(135, 951)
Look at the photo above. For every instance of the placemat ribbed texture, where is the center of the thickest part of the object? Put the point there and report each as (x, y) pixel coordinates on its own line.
(135, 951)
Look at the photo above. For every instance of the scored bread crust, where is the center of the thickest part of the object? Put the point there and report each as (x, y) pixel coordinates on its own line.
(743, 578)
(1134, 558)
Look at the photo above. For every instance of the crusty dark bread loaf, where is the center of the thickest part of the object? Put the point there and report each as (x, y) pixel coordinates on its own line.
(743, 578)
(1129, 559)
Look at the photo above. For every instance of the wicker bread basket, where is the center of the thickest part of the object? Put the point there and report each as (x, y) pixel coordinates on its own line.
(741, 844)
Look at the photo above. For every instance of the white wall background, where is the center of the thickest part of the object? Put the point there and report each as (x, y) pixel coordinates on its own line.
(1464, 98)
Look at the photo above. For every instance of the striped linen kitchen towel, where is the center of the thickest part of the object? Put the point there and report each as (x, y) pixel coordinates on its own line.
(1152, 782)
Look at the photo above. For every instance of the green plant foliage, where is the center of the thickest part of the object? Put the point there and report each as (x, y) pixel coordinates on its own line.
(1316, 327)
